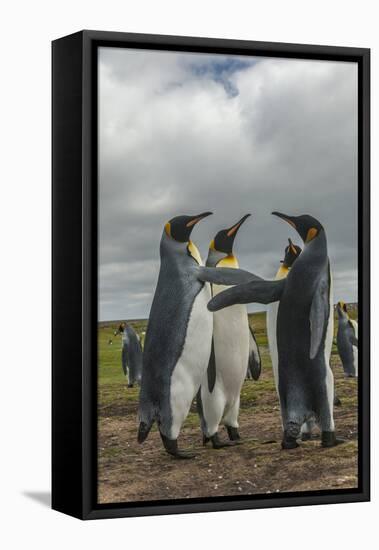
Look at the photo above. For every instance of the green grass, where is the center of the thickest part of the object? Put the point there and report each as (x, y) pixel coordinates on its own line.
(127, 468)
(112, 381)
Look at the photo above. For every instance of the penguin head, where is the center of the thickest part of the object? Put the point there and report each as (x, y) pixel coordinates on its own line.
(180, 227)
(342, 309)
(121, 328)
(223, 241)
(307, 226)
(291, 253)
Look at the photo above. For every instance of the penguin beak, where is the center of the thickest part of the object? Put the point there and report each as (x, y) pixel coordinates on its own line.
(233, 230)
(198, 218)
(288, 219)
(292, 248)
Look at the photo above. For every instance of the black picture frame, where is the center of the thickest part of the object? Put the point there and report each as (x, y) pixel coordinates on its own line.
(74, 272)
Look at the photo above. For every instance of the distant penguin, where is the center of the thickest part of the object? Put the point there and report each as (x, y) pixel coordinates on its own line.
(347, 341)
(119, 330)
(131, 354)
(304, 332)
(219, 395)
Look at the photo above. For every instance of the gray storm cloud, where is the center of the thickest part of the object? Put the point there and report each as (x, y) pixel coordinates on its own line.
(184, 133)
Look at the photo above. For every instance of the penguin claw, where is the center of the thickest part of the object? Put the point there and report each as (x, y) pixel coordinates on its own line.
(171, 446)
(205, 440)
(183, 455)
(224, 444)
(233, 433)
(289, 444)
(329, 439)
(218, 444)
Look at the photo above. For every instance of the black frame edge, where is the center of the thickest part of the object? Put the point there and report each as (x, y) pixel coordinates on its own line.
(199, 43)
(79, 498)
(67, 95)
(364, 325)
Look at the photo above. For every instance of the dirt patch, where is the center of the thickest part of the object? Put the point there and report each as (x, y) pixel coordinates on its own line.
(132, 472)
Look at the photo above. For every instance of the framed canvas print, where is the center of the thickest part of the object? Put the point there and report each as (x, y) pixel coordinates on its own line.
(210, 274)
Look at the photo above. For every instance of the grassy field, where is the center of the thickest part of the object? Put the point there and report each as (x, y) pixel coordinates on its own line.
(132, 472)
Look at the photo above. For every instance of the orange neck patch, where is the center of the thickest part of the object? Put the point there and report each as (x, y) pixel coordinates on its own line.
(228, 261)
(312, 232)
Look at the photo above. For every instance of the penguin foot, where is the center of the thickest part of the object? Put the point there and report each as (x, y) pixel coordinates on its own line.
(185, 455)
(289, 441)
(337, 401)
(205, 440)
(291, 433)
(171, 446)
(130, 385)
(329, 439)
(233, 433)
(289, 444)
(218, 444)
(306, 436)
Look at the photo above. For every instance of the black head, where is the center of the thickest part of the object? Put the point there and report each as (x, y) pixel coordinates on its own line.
(291, 253)
(180, 227)
(307, 226)
(341, 307)
(121, 328)
(223, 241)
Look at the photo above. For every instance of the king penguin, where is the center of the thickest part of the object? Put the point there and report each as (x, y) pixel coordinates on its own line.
(179, 333)
(347, 341)
(178, 337)
(131, 354)
(290, 255)
(231, 354)
(304, 332)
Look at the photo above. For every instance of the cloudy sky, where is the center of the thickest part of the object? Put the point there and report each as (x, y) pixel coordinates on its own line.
(185, 133)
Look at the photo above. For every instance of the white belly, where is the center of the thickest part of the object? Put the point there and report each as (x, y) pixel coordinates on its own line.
(355, 349)
(355, 356)
(271, 320)
(193, 362)
(231, 342)
(327, 351)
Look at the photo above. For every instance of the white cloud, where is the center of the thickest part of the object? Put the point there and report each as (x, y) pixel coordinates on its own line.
(182, 133)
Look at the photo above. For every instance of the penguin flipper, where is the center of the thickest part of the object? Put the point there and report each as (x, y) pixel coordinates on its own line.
(211, 371)
(226, 276)
(319, 316)
(258, 291)
(254, 357)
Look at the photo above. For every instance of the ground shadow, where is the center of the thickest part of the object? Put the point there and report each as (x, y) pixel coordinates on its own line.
(42, 497)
